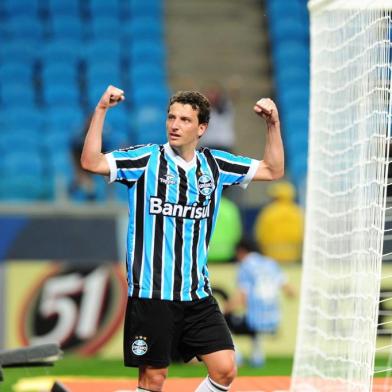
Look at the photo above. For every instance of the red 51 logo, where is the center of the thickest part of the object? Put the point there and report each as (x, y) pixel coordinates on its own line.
(78, 308)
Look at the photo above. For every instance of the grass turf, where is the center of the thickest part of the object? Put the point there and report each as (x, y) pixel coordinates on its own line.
(109, 368)
(95, 367)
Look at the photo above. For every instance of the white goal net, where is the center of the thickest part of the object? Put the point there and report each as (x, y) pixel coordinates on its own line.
(346, 195)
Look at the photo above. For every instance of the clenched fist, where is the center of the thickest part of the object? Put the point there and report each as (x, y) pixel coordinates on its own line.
(111, 97)
(267, 109)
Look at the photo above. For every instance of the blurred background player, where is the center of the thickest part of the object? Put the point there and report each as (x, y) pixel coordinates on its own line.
(260, 281)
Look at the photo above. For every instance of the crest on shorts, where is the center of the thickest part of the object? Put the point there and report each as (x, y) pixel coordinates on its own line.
(139, 345)
(205, 184)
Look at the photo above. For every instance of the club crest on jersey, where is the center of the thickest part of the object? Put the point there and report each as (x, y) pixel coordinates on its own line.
(205, 184)
(139, 345)
(168, 179)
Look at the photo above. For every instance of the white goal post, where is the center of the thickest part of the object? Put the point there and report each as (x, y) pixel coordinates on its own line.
(350, 119)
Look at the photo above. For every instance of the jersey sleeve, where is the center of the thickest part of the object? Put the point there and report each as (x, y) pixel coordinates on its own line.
(128, 164)
(235, 169)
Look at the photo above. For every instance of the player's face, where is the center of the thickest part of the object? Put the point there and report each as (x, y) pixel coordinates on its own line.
(183, 127)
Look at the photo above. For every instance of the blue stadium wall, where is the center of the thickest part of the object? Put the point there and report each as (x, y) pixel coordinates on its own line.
(58, 238)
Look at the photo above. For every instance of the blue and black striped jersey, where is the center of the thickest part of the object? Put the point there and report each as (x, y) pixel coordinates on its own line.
(173, 206)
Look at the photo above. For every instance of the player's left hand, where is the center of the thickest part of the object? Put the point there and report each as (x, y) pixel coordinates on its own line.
(267, 109)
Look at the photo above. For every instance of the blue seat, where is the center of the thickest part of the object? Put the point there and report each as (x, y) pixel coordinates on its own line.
(17, 94)
(298, 168)
(103, 49)
(119, 118)
(24, 27)
(291, 76)
(278, 9)
(22, 160)
(152, 8)
(61, 7)
(99, 76)
(30, 8)
(296, 148)
(20, 138)
(17, 50)
(287, 29)
(102, 70)
(150, 113)
(22, 117)
(67, 26)
(67, 119)
(26, 187)
(61, 93)
(147, 52)
(104, 26)
(62, 50)
(150, 123)
(149, 74)
(143, 28)
(104, 8)
(66, 73)
(155, 134)
(61, 165)
(153, 95)
(293, 96)
(295, 142)
(291, 53)
(16, 71)
(57, 139)
(295, 122)
(117, 138)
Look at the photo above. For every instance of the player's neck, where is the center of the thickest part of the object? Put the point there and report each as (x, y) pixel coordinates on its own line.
(185, 152)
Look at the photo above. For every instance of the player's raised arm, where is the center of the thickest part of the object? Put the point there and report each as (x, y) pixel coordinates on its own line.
(271, 167)
(92, 159)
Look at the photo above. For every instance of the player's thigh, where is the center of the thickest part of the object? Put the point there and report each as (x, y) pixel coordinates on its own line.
(148, 330)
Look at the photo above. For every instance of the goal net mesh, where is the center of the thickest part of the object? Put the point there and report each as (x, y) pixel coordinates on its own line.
(346, 195)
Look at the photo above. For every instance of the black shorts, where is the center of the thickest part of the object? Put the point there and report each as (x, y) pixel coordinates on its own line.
(156, 330)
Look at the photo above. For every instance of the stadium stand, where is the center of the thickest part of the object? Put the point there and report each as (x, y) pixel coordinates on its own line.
(50, 85)
(288, 26)
(60, 7)
(17, 50)
(104, 8)
(75, 48)
(21, 8)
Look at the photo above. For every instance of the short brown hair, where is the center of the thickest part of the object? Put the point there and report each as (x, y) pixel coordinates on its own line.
(198, 102)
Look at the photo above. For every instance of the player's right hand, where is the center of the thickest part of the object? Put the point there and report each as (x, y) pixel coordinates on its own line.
(111, 97)
(266, 109)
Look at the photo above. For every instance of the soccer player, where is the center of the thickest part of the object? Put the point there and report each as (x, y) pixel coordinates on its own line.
(174, 193)
(260, 281)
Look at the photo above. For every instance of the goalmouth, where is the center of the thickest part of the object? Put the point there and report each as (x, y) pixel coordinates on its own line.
(350, 120)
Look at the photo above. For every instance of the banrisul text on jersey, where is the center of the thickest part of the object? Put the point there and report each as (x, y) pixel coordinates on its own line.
(194, 211)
